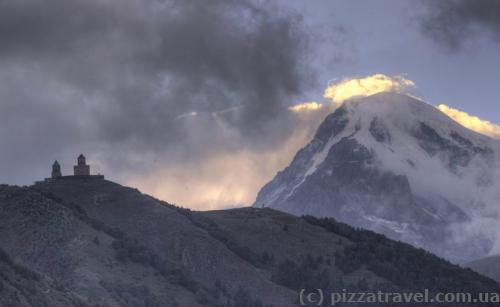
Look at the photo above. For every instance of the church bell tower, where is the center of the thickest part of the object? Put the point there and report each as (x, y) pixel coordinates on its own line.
(56, 170)
(81, 169)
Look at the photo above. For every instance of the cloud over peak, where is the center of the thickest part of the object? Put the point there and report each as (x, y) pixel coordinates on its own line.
(471, 122)
(338, 92)
(306, 106)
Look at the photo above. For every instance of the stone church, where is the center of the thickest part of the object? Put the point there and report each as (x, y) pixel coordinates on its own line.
(80, 170)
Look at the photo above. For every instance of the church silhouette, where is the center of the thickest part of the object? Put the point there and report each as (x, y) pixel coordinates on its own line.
(80, 171)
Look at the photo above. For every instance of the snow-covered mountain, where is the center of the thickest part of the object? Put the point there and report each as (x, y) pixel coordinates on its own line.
(397, 165)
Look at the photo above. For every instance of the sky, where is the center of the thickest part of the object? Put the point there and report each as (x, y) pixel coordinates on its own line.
(192, 100)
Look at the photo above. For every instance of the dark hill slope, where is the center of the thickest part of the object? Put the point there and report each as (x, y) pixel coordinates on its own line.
(489, 266)
(114, 246)
(109, 242)
(20, 287)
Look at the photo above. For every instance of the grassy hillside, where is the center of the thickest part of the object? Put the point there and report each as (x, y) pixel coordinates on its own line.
(113, 246)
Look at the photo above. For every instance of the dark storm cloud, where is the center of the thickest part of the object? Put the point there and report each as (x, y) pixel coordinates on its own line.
(129, 75)
(452, 22)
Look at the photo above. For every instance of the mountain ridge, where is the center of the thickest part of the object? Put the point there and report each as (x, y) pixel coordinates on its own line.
(488, 266)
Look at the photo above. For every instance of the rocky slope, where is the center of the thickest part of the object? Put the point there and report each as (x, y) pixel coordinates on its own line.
(96, 243)
(396, 165)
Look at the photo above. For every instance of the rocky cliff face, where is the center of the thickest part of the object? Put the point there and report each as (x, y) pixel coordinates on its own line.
(91, 242)
(396, 165)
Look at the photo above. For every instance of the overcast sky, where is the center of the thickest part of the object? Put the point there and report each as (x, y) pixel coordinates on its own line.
(188, 99)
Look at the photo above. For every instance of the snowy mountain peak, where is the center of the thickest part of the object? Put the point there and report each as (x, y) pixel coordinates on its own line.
(404, 112)
(397, 165)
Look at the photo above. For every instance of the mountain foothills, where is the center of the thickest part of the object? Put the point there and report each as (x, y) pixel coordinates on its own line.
(90, 242)
(489, 266)
(397, 165)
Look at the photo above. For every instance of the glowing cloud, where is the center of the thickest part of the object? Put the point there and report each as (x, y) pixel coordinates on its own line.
(221, 181)
(471, 122)
(227, 178)
(306, 106)
(354, 87)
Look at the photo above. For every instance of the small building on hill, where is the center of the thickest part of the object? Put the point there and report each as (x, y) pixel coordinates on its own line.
(80, 171)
